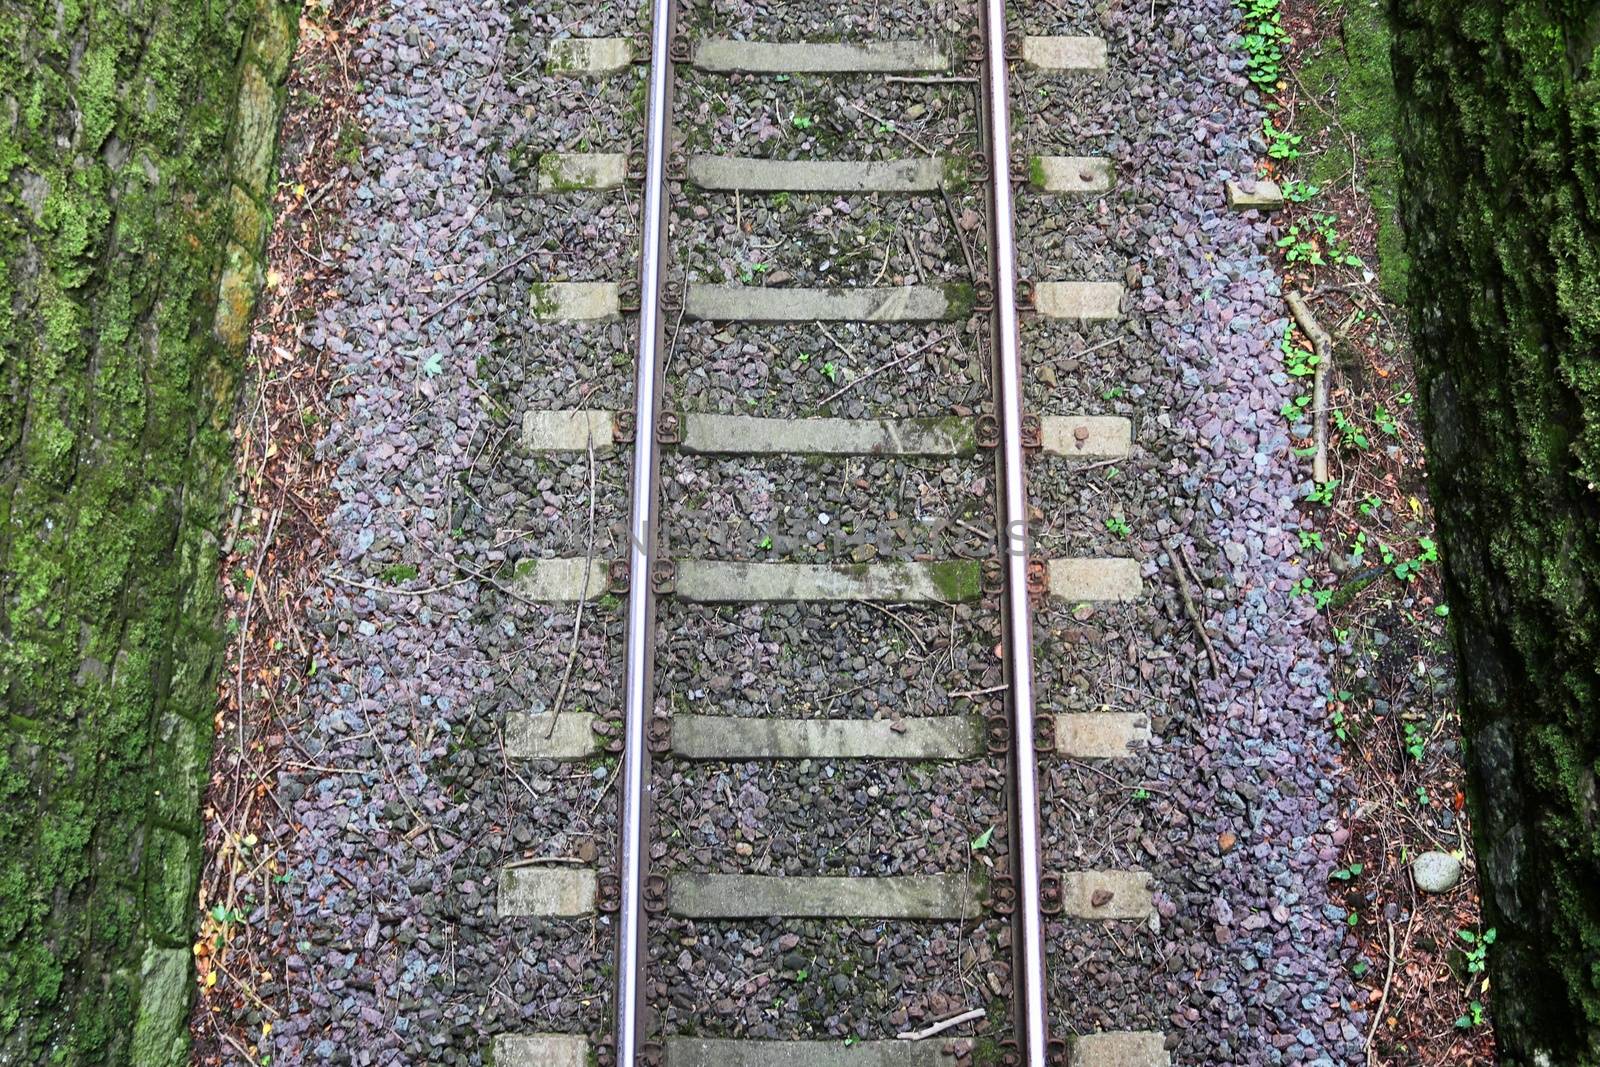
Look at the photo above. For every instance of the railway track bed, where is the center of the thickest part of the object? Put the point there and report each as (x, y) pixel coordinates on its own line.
(764, 740)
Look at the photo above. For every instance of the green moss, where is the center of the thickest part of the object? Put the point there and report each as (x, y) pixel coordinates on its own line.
(113, 478)
(957, 580)
(1352, 93)
(1036, 174)
(959, 299)
(1497, 131)
(398, 572)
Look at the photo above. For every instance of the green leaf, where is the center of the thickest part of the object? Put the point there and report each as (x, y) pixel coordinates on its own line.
(981, 842)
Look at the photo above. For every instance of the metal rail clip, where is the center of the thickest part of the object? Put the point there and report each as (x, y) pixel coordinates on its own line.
(608, 893)
(1032, 433)
(1052, 894)
(983, 296)
(987, 431)
(997, 733)
(668, 428)
(658, 736)
(1002, 894)
(654, 890)
(663, 577)
(1044, 735)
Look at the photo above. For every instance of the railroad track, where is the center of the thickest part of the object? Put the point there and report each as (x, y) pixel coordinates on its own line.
(925, 563)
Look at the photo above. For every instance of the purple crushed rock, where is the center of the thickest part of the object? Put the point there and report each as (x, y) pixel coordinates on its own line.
(1247, 963)
(399, 804)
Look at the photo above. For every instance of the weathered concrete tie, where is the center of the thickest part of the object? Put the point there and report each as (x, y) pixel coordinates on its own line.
(781, 57)
(753, 435)
(756, 896)
(729, 173)
(1070, 175)
(592, 56)
(1079, 301)
(565, 172)
(728, 1052)
(708, 581)
(726, 737)
(753, 303)
(550, 892)
(541, 1050)
(1070, 55)
(558, 581)
(568, 736)
(1095, 579)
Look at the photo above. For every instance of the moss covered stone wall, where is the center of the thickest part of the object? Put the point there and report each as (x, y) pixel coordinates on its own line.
(136, 141)
(1500, 139)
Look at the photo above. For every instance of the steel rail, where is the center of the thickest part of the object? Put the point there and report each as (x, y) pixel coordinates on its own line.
(1019, 617)
(641, 544)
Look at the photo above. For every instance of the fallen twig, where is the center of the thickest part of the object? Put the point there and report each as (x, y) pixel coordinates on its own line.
(1190, 608)
(1322, 348)
(577, 622)
(843, 389)
(943, 1025)
(474, 287)
(1383, 1000)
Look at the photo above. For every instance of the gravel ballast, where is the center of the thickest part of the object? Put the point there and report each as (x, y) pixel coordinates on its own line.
(1233, 808)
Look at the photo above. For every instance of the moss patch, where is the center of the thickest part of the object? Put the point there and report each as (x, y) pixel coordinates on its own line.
(1498, 126)
(1351, 91)
(116, 208)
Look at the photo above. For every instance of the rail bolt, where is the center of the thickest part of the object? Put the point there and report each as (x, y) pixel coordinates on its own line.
(658, 736)
(993, 578)
(636, 164)
(1002, 894)
(1044, 735)
(997, 734)
(983, 296)
(663, 577)
(622, 427)
(1024, 295)
(655, 890)
(617, 573)
(628, 295)
(1038, 578)
(974, 46)
(681, 51)
(668, 428)
(1032, 432)
(1052, 895)
(987, 431)
(678, 167)
(608, 893)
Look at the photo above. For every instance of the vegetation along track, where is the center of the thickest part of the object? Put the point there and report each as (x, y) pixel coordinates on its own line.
(827, 590)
